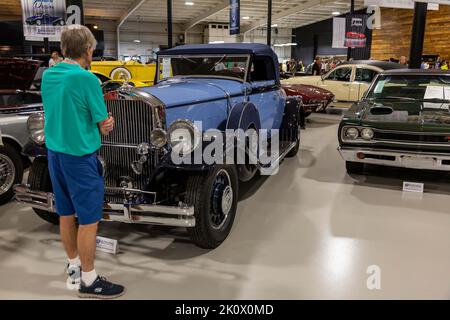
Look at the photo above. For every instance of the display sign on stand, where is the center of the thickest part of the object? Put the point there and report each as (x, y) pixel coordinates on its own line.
(235, 17)
(46, 18)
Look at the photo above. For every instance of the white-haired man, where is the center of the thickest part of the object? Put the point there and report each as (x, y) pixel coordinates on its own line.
(75, 117)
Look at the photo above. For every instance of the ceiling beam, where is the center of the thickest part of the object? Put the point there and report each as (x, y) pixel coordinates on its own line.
(222, 5)
(285, 13)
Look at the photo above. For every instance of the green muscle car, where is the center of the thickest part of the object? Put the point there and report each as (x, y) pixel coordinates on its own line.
(403, 120)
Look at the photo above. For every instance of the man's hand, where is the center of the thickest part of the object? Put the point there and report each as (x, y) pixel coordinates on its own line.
(106, 126)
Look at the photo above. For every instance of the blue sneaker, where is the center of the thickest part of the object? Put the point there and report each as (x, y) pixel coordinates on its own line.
(73, 277)
(101, 289)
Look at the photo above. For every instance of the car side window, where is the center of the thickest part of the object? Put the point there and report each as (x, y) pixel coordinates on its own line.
(340, 74)
(365, 75)
(262, 69)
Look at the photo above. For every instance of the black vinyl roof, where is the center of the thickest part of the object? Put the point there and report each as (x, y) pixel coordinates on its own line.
(417, 72)
(385, 65)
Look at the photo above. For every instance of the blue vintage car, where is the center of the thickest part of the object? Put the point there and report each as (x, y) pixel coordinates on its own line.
(201, 93)
(45, 19)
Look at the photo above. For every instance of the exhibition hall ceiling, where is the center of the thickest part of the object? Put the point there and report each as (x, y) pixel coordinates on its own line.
(286, 13)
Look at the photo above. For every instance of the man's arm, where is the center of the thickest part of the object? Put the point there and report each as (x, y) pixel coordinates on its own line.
(97, 107)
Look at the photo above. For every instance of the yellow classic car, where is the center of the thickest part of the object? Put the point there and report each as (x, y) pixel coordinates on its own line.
(140, 75)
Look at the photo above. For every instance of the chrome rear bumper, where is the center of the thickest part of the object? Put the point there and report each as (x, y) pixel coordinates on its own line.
(181, 216)
(404, 159)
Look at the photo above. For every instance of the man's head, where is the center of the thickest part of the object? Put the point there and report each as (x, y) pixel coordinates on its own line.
(78, 42)
(317, 60)
(403, 60)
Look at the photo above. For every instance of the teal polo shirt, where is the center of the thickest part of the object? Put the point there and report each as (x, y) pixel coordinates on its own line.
(73, 106)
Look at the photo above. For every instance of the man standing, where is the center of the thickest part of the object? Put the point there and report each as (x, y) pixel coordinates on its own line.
(317, 67)
(75, 116)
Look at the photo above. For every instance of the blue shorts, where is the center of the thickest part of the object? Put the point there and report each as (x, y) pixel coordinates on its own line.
(77, 185)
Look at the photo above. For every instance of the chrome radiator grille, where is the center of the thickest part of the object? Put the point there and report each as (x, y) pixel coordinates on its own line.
(133, 125)
(133, 122)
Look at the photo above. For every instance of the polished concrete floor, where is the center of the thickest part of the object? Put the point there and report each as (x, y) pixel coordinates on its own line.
(311, 231)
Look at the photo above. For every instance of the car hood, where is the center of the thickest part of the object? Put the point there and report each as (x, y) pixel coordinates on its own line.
(309, 91)
(17, 73)
(180, 92)
(412, 113)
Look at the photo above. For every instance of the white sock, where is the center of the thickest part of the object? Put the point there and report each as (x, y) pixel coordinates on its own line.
(88, 278)
(74, 262)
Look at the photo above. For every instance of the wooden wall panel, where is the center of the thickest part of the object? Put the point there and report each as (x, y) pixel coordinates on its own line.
(394, 37)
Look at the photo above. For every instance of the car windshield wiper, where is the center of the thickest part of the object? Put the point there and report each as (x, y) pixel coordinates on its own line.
(190, 60)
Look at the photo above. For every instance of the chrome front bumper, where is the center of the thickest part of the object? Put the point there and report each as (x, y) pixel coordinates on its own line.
(181, 216)
(404, 159)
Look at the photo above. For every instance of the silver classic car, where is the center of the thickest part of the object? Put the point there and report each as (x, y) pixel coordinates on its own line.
(17, 102)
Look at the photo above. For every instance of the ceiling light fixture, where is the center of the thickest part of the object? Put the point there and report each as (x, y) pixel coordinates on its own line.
(335, 13)
(189, 3)
(246, 18)
(216, 42)
(137, 41)
(95, 26)
(274, 25)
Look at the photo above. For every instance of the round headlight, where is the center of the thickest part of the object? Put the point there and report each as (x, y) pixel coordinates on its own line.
(184, 137)
(35, 125)
(367, 134)
(351, 133)
(158, 138)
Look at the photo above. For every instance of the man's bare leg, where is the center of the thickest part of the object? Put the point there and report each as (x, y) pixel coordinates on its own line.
(68, 231)
(87, 245)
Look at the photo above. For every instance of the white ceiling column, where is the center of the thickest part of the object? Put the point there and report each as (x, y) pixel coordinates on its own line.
(124, 17)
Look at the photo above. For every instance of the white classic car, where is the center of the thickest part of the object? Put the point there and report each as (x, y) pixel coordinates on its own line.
(348, 81)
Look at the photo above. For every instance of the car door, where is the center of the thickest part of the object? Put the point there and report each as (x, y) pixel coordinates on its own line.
(266, 94)
(338, 81)
(364, 76)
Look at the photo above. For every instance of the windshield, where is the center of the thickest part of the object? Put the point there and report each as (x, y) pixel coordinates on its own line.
(425, 87)
(228, 66)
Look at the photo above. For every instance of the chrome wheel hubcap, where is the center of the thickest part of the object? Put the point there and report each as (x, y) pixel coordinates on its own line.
(221, 199)
(7, 173)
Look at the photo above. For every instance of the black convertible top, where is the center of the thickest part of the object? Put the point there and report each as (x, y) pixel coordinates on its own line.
(256, 49)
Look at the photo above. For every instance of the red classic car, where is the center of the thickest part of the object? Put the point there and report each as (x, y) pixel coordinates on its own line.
(314, 99)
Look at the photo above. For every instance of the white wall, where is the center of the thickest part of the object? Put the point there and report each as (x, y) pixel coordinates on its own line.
(152, 35)
(284, 36)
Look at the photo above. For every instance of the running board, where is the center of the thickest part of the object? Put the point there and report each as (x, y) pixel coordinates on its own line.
(274, 166)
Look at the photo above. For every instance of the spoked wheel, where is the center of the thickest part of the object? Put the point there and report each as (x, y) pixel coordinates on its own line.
(214, 197)
(11, 172)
